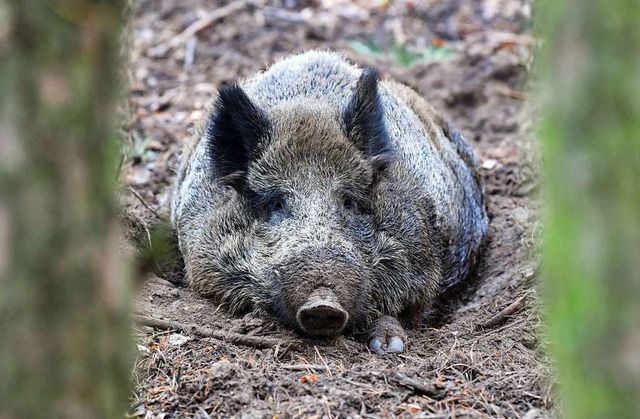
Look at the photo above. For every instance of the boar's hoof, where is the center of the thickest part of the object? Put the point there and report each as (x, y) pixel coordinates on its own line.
(387, 336)
(322, 314)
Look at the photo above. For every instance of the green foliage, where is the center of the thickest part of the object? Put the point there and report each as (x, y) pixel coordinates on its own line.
(401, 55)
(139, 150)
(590, 69)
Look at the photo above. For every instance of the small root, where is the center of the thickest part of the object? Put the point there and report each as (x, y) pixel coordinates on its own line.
(499, 318)
(234, 338)
(417, 387)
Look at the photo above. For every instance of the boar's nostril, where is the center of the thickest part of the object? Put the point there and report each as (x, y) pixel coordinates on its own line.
(322, 320)
(322, 314)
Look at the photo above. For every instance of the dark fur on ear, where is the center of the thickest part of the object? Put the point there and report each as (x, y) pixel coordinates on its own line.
(234, 132)
(363, 118)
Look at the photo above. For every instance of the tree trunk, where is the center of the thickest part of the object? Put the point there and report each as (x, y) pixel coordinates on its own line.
(65, 347)
(590, 74)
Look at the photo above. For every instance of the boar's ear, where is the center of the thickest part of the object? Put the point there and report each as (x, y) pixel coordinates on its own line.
(363, 117)
(234, 132)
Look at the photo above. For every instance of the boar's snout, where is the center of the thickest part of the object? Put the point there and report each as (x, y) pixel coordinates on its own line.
(322, 314)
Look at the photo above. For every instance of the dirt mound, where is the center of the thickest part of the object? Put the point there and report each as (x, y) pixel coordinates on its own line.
(469, 58)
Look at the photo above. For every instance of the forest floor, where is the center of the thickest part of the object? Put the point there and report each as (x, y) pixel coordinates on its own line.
(470, 58)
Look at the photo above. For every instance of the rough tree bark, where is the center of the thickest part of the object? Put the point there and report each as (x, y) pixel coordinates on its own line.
(590, 73)
(65, 347)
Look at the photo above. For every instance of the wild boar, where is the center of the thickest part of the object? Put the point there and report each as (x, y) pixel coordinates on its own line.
(335, 202)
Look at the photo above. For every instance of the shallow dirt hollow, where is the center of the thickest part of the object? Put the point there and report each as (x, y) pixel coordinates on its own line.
(470, 59)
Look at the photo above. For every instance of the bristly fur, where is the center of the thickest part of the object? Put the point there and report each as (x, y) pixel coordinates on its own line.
(234, 132)
(315, 174)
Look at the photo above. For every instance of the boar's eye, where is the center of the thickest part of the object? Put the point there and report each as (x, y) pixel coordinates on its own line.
(349, 203)
(274, 207)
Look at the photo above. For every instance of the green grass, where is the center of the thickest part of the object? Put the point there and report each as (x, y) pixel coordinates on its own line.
(400, 55)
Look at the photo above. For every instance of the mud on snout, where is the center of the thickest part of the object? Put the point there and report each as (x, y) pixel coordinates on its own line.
(321, 293)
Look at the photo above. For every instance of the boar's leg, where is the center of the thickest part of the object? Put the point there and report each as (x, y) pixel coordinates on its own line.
(387, 336)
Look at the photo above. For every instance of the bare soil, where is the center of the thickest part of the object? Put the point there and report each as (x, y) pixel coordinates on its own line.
(464, 361)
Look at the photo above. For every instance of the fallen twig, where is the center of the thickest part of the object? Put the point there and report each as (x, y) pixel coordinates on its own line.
(323, 361)
(275, 13)
(302, 367)
(510, 93)
(205, 22)
(416, 386)
(144, 203)
(259, 342)
(510, 38)
(369, 387)
(502, 316)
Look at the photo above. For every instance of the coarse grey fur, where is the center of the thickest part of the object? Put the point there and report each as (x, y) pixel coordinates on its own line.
(418, 230)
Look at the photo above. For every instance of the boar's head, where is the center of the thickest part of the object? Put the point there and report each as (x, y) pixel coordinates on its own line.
(306, 174)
